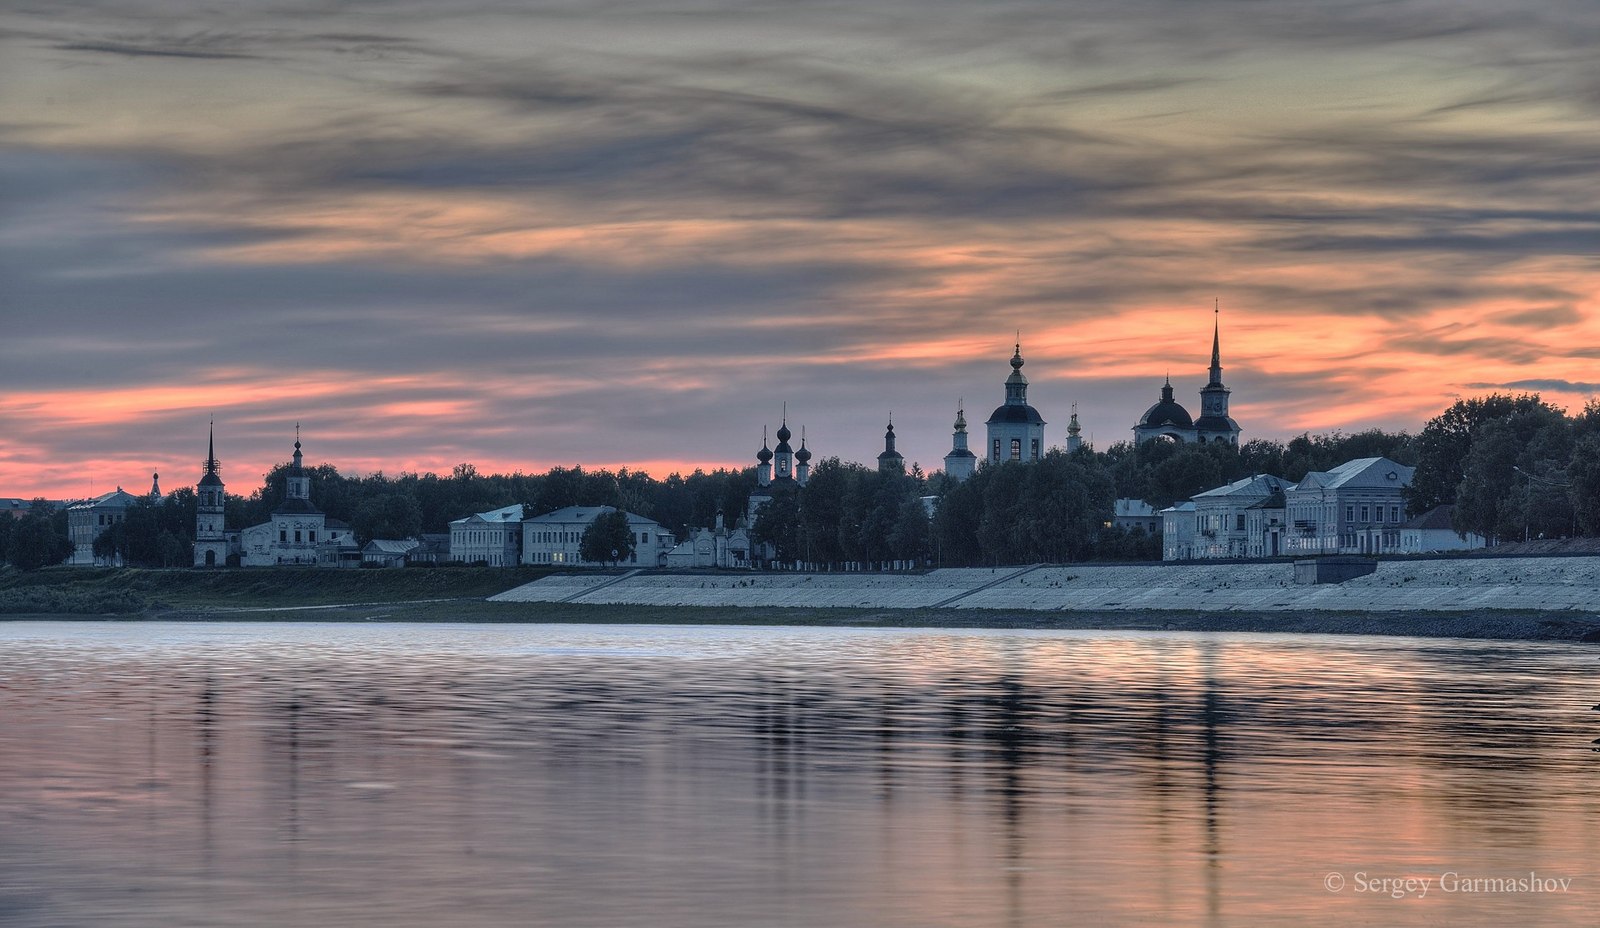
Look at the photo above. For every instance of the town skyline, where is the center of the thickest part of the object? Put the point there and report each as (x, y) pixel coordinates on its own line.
(625, 237)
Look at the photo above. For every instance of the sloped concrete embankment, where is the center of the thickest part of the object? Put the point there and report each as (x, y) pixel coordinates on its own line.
(1546, 584)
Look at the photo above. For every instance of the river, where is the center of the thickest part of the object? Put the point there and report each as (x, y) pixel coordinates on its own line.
(467, 775)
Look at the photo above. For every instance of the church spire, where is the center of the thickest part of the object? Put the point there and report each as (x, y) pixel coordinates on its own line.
(1216, 343)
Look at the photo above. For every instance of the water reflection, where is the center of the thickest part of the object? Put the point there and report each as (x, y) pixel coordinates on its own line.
(473, 775)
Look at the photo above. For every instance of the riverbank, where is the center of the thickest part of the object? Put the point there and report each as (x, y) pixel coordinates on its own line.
(1506, 600)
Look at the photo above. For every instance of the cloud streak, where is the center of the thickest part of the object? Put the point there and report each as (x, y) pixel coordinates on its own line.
(558, 233)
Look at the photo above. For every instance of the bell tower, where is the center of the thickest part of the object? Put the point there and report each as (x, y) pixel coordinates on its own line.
(210, 539)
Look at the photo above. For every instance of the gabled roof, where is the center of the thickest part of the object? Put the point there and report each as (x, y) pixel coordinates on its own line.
(1179, 507)
(511, 513)
(1259, 485)
(1133, 508)
(1360, 472)
(1275, 501)
(586, 514)
(391, 546)
(116, 499)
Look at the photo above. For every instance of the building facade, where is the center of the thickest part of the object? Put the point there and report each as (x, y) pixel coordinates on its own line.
(554, 538)
(494, 538)
(719, 547)
(87, 520)
(1177, 532)
(299, 533)
(1015, 430)
(1433, 532)
(1224, 525)
(1355, 508)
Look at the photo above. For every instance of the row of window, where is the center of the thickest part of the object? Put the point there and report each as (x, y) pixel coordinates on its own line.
(1371, 513)
(283, 537)
(1016, 449)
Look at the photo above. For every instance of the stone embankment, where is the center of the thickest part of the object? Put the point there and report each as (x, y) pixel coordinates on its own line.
(1564, 584)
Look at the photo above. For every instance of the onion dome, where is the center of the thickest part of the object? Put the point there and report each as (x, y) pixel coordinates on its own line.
(1016, 408)
(783, 438)
(804, 454)
(765, 454)
(1166, 412)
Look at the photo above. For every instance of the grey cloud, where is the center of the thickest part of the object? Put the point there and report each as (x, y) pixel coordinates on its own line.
(1566, 386)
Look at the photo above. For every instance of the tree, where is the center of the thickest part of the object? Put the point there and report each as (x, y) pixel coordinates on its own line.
(39, 539)
(609, 538)
(1446, 441)
(778, 524)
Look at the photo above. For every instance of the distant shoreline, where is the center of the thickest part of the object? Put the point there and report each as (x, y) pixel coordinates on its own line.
(1486, 625)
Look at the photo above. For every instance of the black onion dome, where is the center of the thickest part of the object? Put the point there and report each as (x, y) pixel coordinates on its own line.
(1166, 412)
(1010, 413)
(764, 455)
(783, 433)
(804, 454)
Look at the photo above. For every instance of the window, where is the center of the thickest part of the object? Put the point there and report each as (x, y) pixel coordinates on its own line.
(1365, 514)
(1394, 513)
(1035, 450)
(283, 536)
(996, 455)
(313, 534)
(1240, 526)
(296, 536)
(1016, 449)
(1349, 513)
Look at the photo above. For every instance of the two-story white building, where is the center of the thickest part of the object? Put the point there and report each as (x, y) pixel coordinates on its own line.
(1355, 508)
(1227, 518)
(1177, 532)
(554, 538)
(494, 538)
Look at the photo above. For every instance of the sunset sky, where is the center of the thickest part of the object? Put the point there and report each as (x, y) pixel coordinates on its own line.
(625, 233)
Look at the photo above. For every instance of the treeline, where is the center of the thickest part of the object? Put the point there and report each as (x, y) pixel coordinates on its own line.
(1514, 466)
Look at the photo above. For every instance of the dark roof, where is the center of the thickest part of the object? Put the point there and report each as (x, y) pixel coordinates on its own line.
(1166, 412)
(1216, 424)
(960, 453)
(1010, 413)
(1436, 518)
(1275, 501)
(210, 480)
(292, 506)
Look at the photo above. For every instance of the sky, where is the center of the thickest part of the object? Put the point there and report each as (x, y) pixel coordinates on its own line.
(626, 234)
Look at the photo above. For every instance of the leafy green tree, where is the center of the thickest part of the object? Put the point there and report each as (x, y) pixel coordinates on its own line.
(39, 539)
(1443, 446)
(778, 524)
(607, 539)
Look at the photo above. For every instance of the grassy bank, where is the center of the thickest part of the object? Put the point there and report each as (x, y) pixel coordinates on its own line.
(80, 591)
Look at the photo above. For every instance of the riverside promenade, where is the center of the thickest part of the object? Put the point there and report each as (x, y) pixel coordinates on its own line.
(1555, 584)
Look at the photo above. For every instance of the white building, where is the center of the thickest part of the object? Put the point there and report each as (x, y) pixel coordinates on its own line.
(1433, 532)
(960, 462)
(494, 537)
(1355, 508)
(1129, 514)
(1177, 532)
(712, 547)
(210, 529)
(554, 538)
(87, 520)
(389, 552)
(299, 532)
(1223, 517)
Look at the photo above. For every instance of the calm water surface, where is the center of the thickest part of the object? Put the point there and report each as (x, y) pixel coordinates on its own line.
(399, 775)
